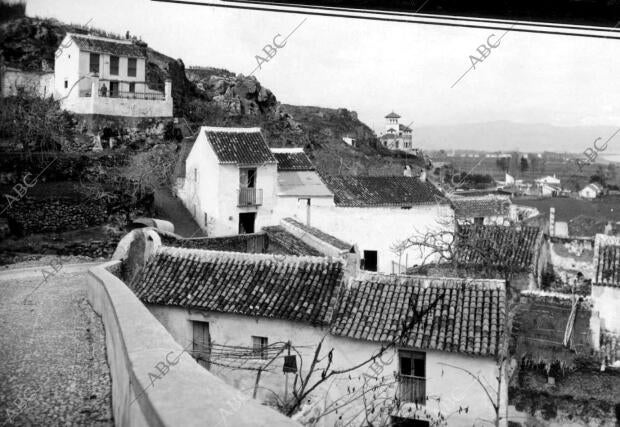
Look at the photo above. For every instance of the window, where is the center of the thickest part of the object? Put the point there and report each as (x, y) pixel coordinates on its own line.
(412, 376)
(132, 87)
(131, 67)
(370, 260)
(114, 65)
(259, 345)
(201, 343)
(66, 84)
(247, 178)
(94, 63)
(206, 219)
(195, 175)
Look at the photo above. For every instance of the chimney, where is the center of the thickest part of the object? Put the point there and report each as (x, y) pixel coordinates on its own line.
(407, 171)
(551, 221)
(423, 176)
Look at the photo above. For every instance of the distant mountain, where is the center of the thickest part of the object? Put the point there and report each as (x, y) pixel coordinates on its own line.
(509, 136)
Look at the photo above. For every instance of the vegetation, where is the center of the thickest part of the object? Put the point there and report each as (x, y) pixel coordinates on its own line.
(36, 124)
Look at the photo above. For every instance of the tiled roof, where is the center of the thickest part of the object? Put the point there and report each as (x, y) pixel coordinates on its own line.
(109, 46)
(467, 319)
(291, 288)
(283, 242)
(327, 238)
(289, 160)
(481, 206)
(388, 136)
(392, 115)
(244, 146)
(377, 191)
(496, 245)
(608, 266)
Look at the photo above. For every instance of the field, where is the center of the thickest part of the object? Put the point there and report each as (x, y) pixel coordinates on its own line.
(568, 208)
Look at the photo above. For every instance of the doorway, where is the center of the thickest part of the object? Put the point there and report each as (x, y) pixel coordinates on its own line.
(247, 221)
(370, 260)
(114, 89)
(201, 344)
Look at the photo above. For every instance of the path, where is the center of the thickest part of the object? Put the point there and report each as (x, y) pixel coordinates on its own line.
(53, 368)
(171, 209)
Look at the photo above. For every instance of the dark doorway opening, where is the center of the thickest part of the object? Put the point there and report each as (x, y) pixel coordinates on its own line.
(114, 89)
(246, 222)
(201, 349)
(370, 260)
(408, 422)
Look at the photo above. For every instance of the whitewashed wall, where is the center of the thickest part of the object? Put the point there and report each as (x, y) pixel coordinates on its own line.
(448, 388)
(379, 228)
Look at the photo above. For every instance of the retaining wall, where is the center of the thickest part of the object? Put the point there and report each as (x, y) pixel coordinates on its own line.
(154, 381)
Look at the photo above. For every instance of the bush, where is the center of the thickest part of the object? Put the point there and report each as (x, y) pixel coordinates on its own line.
(38, 124)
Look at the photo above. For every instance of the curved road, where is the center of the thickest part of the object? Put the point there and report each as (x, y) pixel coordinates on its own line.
(53, 369)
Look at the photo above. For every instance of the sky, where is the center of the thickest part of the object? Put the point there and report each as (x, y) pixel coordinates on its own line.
(374, 67)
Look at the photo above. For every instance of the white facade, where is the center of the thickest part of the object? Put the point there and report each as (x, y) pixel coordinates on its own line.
(86, 92)
(39, 84)
(380, 228)
(590, 191)
(211, 190)
(447, 388)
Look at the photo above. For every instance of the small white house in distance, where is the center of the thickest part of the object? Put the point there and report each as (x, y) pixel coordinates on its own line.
(379, 212)
(349, 141)
(300, 187)
(98, 75)
(590, 191)
(551, 180)
(230, 181)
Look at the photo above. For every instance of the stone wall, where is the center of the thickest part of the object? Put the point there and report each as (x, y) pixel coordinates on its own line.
(252, 243)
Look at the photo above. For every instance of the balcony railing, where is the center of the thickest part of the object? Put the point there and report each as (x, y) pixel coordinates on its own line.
(149, 96)
(412, 389)
(250, 196)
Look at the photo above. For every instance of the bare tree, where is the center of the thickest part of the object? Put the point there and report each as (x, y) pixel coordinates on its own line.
(321, 370)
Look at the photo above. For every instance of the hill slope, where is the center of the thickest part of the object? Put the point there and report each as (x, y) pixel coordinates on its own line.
(218, 97)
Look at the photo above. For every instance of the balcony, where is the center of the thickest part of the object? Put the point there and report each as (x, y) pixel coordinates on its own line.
(250, 197)
(412, 389)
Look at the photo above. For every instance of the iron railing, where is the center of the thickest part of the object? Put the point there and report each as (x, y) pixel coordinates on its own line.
(250, 196)
(412, 389)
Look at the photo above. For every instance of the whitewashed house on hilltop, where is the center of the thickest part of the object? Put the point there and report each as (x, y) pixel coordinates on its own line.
(230, 181)
(396, 135)
(300, 187)
(98, 75)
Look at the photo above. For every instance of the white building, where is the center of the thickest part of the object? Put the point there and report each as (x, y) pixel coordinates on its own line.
(590, 191)
(230, 184)
(300, 188)
(396, 136)
(484, 210)
(551, 180)
(247, 310)
(98, 75)
(379, 212)
(36, 83)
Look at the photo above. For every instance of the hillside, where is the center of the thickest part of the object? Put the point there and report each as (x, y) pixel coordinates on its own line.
(218, 97)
